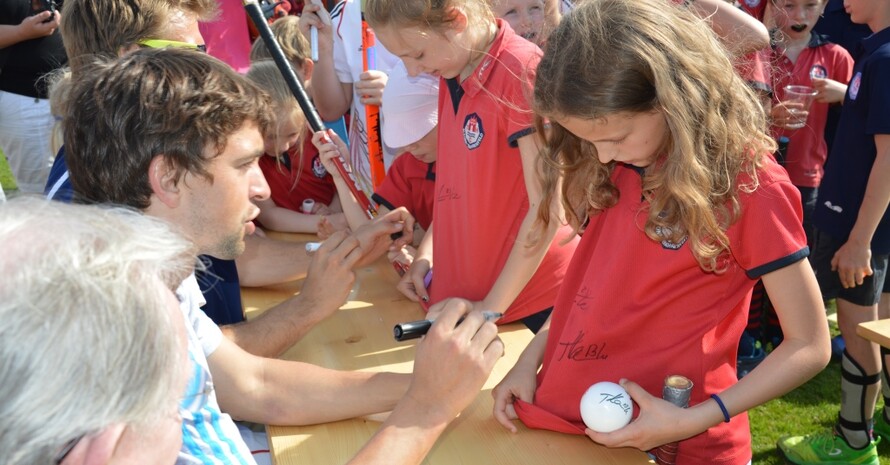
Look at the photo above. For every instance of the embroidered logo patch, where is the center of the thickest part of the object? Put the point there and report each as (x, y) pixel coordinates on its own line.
(317, 168)
(666, 232)
(818, 72)
(854, 85)
(752, 3)
(473, 131)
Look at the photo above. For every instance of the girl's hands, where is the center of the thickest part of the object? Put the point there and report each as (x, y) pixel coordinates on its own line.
(370, 87)
(658, 423)
(520, 383)
(315, 15)
(782, 116)
(829, 91)
(330, 147)
(412, 284)
(404, 255)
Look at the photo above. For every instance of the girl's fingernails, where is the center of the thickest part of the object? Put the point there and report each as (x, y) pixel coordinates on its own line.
(425, 299)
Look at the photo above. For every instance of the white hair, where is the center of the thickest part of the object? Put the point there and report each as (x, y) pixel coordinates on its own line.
(86, 340)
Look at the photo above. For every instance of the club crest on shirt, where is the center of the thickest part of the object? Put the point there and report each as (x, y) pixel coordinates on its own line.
(664, 231)
(473, 131)
(752, 3)
(317, 168)
(818, 72)
(854, 85)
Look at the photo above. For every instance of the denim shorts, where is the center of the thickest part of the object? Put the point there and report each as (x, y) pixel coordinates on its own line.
(866, 294)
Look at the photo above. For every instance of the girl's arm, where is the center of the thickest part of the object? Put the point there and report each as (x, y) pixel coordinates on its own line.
(331, 97)
(328, 150)
(804, 352)
(282, 219)
(521, 382)
(853, 260)
(829, 90)
(738, 31)
(523, 261)
(412, 283)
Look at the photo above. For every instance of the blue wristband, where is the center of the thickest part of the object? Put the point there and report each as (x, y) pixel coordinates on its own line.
(722, 407)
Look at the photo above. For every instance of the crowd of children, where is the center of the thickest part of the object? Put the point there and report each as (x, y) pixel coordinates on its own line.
(630, 179)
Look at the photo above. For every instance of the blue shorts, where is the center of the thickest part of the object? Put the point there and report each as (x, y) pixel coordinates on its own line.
(866, 294)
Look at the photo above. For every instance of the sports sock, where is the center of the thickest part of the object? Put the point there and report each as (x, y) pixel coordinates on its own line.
(885, 382)
(858, 392)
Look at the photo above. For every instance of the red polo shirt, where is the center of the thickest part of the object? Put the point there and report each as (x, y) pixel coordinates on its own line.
(632, 307)
(409, 183)
(807, 149)
(480, 189)
(314, 181)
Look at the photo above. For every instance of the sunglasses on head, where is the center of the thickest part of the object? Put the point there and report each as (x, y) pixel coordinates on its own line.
(161, 43)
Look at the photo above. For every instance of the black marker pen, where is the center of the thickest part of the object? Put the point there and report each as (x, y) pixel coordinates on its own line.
(415, 329)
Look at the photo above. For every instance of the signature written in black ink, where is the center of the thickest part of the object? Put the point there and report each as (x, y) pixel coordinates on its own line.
(582, 298)
(616, 399)
(574, 350)
(447, 193)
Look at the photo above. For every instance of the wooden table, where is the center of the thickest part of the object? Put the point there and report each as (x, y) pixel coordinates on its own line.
(359, 337)
(875, 331)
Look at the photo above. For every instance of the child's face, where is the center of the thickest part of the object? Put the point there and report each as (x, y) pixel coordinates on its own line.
(444, 53)
(526, 17)
(796, 18)
(866, 12)
(632, 138)
(424, 149)
(284, 134)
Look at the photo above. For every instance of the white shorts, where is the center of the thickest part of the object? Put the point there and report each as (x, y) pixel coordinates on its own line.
(26, 126)
(257, 442)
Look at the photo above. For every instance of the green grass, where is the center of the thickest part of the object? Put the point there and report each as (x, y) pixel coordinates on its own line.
(809, 408)
(6, 179)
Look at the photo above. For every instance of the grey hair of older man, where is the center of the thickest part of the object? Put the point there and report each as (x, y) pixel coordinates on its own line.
(85, 341)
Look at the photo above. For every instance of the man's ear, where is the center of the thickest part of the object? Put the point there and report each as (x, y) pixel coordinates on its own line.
(125, 49)
(163, 178)
(96, 449)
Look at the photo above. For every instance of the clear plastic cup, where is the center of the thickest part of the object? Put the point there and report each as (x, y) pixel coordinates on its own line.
(803, 96)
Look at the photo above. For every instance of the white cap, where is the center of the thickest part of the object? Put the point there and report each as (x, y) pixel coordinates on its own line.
(410, 107)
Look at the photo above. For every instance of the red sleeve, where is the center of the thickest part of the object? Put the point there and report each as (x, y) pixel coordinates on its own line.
(769, 234)
(395, 190)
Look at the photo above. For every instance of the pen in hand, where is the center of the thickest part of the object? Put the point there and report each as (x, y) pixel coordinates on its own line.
(416, 329)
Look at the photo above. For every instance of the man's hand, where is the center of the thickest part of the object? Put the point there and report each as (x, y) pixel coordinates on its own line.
(330, 275)
(453, 361)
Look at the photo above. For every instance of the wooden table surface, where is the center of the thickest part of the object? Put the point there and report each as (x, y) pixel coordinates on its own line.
(875, 331)
(359, 337)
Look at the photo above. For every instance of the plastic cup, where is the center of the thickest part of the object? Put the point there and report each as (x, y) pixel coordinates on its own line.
(803, 96)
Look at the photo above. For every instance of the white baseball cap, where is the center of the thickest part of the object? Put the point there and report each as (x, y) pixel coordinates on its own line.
(410, 107)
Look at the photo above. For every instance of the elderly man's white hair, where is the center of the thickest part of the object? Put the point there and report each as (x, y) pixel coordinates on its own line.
(86, 336)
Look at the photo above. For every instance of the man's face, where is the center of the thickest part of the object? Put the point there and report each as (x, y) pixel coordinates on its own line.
(218, 213)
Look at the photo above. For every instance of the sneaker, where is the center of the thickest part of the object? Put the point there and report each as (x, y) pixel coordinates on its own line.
(881, 427)
(751, 353)
(826, 448)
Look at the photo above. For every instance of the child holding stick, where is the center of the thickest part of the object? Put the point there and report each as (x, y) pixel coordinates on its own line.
(483, 238)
